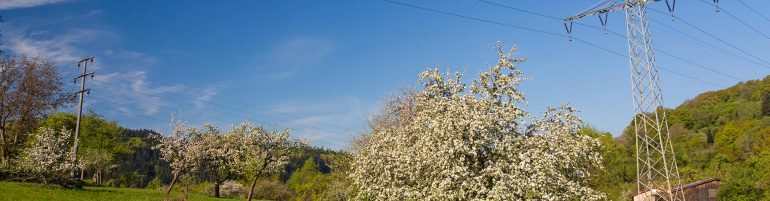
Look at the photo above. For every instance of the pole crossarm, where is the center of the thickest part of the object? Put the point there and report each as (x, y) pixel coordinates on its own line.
(611, 8)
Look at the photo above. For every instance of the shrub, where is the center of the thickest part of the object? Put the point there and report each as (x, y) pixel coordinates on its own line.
(154, 184)
(229, 189)
(271, 190)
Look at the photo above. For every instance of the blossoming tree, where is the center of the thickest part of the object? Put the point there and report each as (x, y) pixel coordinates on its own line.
(49, 157)
(450, 141)
(218, 155)
(177, 150)
(266, 151)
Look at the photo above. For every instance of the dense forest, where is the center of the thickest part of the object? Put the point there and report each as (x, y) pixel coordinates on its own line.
(720, 134)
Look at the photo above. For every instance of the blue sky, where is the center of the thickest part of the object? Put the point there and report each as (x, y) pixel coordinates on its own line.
(323, 67)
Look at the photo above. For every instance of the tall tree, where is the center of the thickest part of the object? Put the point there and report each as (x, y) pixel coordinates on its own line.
(99, 140)
(218, 155)
(30, 87)
(481, 145)
(49, 158)
(176, 149)
(266, 151)
(765, 103)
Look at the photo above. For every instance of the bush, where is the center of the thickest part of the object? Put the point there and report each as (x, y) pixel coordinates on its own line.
(229, 189)
(271, 190)
(154, 184)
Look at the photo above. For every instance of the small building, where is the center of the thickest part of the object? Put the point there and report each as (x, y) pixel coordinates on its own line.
(704, 190)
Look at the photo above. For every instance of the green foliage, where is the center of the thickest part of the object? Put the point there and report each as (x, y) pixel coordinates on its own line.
(271, 190)
(307, 182)
(719, 134)
(766, 103)
(154, 184)
(614, 179)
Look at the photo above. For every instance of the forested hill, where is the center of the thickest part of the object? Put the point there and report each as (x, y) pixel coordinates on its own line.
(718, 134)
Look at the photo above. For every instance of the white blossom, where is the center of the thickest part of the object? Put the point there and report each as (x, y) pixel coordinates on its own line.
(50, 155)
(443, 143)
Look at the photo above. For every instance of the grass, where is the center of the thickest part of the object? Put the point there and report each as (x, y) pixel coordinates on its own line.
(32, 191)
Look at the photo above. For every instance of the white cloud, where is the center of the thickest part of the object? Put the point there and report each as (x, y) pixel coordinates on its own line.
(294, 55)
(301, 51)
(13, 4)
(133, 90)
(61, 47)
(330, 123)
(205, 97)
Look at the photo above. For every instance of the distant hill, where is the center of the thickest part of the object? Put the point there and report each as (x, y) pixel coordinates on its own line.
(724, 134)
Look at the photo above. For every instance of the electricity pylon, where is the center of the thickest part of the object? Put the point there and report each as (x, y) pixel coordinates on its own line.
(656, 168)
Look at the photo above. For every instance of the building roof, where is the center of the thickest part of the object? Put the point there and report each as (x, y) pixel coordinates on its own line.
(690, 185)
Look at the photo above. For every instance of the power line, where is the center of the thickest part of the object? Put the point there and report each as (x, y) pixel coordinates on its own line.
(550, 17)
(237, 115)
(698, 65)
(753, 10)
(477, 19)
(739, 20)
(249, 112)
(713, 36)
(325, 138)
(543, 32)
(706, 44)
(624, 37)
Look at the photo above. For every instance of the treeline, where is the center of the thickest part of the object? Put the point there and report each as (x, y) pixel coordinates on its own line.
(720, 134)
(111, 155)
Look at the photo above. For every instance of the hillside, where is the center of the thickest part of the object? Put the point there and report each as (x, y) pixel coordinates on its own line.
(724, 134)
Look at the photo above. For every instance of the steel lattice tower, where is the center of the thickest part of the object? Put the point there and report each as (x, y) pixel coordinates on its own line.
(656, 168)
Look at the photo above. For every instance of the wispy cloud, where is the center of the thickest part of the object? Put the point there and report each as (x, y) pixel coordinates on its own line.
(13, 4)
(133, 90)
(205, 97)
(330, 123)
(291, 56)
(60, 47)
(301, 51)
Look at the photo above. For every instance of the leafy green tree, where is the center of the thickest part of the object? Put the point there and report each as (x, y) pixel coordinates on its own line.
(619, 165)
(307, 182)
(30, 88)
(99, 142)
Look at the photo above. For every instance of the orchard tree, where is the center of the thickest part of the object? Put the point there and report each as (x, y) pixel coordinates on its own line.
(449, 141)
(99, 142)
(49, 157)
(218, 156)
(266, 151)
(177, 150)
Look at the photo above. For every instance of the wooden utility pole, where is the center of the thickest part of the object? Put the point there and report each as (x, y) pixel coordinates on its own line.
(84, 63)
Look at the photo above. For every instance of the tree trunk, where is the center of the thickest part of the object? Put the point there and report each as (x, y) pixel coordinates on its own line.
(5, 155)
(186, 190)
(216, 189)
(253, 184)
(82, 171)
(5, 150)
(170, 186)
(256, 176)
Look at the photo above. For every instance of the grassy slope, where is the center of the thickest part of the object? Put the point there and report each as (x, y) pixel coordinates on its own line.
(30, 191)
